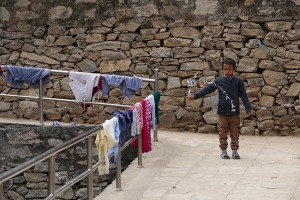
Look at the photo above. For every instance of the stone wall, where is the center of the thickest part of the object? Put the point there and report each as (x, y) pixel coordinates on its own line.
(20, 142)
(179, 38)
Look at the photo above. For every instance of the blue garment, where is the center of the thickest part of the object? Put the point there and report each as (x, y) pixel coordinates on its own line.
(114, 149)
(16, 76)
(230, 89)
(125, 120)
(128, 85)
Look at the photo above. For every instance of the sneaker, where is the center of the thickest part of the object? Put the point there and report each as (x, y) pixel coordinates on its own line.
(224, 155)
(235, 154)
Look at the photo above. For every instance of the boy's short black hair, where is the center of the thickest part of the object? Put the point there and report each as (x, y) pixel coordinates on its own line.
(229, 61)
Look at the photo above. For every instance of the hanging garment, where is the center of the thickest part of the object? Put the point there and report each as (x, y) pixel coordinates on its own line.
(114, 149)
(156, 100)
(95, 90)
(128, 85)
(125, 120)
(146, 132)
(16, 76)
(82, 85)
(150, 98)
(137, 119)
(105, 140)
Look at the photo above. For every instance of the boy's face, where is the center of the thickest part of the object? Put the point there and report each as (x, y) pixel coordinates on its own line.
(228, 70)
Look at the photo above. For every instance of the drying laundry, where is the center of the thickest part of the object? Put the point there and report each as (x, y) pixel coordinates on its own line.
(17, 76)
(129, 85)
(83, 84)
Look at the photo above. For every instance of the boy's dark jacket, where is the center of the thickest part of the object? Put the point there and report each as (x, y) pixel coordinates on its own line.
(234, 88)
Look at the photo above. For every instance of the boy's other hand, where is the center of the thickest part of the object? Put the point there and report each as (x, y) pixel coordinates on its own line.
(248, 114)
(189, 97)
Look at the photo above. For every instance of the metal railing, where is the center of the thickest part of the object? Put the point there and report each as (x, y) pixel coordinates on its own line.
(50, 154)
(41, 98)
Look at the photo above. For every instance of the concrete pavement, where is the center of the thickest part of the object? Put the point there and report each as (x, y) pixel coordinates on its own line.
(186, 166)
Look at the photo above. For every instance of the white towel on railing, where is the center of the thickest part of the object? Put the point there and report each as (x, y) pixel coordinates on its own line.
(105, 140)
(82, 85)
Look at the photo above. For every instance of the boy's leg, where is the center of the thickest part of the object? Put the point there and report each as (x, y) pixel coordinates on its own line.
(234, 131)
(223, 132)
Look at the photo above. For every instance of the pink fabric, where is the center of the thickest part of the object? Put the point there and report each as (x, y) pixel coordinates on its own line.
(146, 132)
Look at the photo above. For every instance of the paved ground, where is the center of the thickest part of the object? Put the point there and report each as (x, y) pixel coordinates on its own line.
(186, 166)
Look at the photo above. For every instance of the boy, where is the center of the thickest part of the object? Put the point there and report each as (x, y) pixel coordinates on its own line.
(230, 89)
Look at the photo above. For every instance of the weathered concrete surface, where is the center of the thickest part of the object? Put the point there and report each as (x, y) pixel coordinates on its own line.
(187, 166)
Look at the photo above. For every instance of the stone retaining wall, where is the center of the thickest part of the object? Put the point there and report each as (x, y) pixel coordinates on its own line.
(179, 38)
(19, 143)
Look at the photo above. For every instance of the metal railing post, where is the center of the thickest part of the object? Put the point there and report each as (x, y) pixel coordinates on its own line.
(140, 146)
(90, 168)
(41, 107)
(51, 175)
(1, 191)
(119, 167)
(155, 89)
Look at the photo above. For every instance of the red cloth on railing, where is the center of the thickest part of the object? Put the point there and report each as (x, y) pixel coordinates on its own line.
(146, 132)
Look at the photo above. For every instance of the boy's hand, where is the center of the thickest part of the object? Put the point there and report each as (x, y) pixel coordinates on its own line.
(248, 114)
(189, 97)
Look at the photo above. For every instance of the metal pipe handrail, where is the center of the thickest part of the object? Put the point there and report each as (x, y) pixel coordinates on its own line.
(55, 71)
(51, 152)
(63, 100)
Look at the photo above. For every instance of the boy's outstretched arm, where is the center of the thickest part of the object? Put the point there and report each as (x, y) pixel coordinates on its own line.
(206, 90)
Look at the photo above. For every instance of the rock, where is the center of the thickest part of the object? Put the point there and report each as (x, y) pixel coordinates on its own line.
(248, 65)
(267, 101)
(274, 78)
(167, 120)
(213, 31)
(211, 117)
(35, 177)
(14, 195)
(139, 53)
(88, 66)
(174, 82)
(113, 66)
(174, 42)
(130, 27)
(270, 65)
(263, 114)
(289, 120)
(180, 113)
(248, 130)
(274, 39)
(269, 90)
(265, 125)
(279, 111)
(252, 33)
(94, 38)
(185, 32)
(294, 90)
(161, 52)
(207, 129)
(210, 101)
(263, 53)
(295, 64)
(197, 66)
(37, 193)
(106, 45)
(255, 82)
(278, 26)
(4, 14)
(39, 58)
(59, 13)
